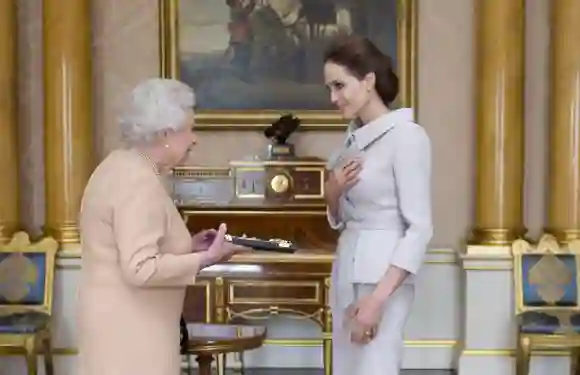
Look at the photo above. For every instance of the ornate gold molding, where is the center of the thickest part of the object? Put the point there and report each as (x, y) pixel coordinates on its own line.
(407, 61)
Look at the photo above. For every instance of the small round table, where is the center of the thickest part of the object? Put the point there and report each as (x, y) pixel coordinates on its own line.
(207, 340)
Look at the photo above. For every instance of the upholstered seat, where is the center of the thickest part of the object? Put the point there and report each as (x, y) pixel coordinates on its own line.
(549, 322)
(26, 287)
(547, 298)
(28, 322)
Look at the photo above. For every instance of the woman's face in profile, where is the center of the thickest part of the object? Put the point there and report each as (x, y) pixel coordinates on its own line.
(180, 142)
(348, 93)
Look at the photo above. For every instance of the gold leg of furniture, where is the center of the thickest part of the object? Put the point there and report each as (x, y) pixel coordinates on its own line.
(523, 353)
(221, 363)
(68, 144)
(48, 363)
(564, 151)
(9, 215)
(499, 121)
(327, 356)
(31, 357)
(327, 330)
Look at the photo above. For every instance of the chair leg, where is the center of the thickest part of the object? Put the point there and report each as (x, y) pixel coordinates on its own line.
(239, 357)
(221, 363)
(48, 363)
(242, 364)
(523, 353)
(574, 353)
(31, 358)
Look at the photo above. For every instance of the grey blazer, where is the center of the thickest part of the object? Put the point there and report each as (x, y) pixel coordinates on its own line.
(385, 219)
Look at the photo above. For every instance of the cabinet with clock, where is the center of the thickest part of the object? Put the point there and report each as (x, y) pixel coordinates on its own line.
(281, 199)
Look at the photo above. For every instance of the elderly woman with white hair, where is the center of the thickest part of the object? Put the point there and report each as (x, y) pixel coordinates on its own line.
(138, 255)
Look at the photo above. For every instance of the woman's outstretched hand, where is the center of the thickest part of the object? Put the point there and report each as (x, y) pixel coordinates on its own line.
(202, 240)
(220, 249)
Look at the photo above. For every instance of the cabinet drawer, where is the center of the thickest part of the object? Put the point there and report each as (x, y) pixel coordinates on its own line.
(199, 304)
(278, 292)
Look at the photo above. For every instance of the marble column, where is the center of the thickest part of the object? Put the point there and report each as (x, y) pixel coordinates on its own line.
(68, 114)
(564, 123)
(9, 190)
(499, 121)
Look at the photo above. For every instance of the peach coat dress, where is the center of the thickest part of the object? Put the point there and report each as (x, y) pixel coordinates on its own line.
(136, 264)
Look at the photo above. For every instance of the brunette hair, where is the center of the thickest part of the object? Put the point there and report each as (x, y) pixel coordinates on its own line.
(360, 56)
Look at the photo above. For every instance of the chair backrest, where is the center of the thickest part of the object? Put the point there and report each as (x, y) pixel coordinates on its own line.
(546, 274)
(27, 274)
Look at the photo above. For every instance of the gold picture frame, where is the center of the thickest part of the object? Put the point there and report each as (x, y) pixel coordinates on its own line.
(258, 119)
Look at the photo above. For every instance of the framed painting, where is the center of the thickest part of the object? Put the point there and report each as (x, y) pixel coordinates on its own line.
(251, 61)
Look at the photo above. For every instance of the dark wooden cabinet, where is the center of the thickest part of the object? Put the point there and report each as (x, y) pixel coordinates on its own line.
(265, 200)
(255, 286)
(252, 285)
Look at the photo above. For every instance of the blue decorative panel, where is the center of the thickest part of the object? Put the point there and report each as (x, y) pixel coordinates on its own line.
(22, 278)
(549, 280)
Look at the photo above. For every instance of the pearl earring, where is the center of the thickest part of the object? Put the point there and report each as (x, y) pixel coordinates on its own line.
(166, 145)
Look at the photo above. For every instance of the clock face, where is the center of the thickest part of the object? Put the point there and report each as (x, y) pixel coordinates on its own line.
(280, 183)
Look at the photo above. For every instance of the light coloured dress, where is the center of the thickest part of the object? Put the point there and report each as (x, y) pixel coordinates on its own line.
(136, 263)
(385, 219)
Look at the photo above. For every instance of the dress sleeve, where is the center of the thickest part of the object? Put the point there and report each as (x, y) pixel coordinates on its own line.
(140, 224)
(412, 167)
(335, 223)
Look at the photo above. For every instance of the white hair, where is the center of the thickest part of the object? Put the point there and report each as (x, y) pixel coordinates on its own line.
(155, 105)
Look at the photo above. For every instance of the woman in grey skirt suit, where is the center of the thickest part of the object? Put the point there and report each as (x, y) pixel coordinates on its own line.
(379, 197)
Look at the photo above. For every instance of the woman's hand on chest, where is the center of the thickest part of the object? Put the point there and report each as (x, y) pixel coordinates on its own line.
(342, 178)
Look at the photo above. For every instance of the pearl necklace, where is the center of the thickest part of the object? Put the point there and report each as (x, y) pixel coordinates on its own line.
(151, 163)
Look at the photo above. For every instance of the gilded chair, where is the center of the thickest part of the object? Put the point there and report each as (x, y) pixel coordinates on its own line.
(26, 290)
(547, 298)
